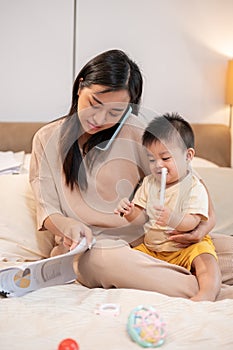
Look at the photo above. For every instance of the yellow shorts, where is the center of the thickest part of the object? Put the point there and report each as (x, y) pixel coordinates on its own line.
(183, 257)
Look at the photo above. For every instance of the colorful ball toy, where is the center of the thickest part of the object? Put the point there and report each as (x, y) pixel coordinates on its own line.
(146, 327)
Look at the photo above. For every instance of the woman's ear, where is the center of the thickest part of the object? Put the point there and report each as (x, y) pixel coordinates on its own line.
(190, 154)
(80, 86)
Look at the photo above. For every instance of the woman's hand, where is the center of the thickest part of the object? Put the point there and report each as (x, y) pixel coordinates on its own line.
(184, 239)
(74, 232)
(70, 229)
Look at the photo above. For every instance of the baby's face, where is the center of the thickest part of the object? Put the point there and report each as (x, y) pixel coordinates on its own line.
(169, 156)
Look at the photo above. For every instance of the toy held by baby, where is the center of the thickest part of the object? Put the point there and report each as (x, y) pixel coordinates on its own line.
(163, 186)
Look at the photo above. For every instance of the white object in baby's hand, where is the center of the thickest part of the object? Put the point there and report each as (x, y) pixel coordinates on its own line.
(163, 186)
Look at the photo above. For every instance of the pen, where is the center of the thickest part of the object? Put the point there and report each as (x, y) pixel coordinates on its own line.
(133, 193)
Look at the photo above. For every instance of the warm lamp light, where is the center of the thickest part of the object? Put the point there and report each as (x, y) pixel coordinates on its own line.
(229, 87)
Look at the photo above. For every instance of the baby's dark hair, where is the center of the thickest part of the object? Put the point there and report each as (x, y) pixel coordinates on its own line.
(168, 127)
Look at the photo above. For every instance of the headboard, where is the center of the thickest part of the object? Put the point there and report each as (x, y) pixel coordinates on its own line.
(212, 141)
(17, 136)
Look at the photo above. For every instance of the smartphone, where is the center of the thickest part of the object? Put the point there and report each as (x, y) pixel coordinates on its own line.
(106, 146)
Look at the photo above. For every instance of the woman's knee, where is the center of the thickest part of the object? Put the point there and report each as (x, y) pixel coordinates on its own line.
(95, 267)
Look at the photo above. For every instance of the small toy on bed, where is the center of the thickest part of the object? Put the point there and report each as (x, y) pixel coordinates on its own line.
(146, 327)
(68, 344)
(107, 309)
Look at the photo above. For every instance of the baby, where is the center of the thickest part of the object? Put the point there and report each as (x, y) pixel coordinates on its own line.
(169, 141)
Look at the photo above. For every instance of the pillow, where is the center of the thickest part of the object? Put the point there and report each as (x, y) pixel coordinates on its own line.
(26, 163)
(19, 238)
(219, 182)
(203, 163)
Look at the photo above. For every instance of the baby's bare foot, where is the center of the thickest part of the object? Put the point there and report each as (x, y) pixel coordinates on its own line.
(203, 297)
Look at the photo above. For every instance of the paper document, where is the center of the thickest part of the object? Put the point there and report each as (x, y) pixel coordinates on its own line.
(21, 279)
(10, 162)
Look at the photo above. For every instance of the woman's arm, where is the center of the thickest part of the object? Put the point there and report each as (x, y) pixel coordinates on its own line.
(70, 229)
(48, 201)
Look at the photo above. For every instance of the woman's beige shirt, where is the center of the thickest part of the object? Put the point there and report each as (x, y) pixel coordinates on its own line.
(114, 175)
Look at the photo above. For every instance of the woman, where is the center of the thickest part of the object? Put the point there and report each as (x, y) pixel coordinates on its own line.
(78, 177)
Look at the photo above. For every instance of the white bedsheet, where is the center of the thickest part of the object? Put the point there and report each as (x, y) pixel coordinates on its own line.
(40, 320)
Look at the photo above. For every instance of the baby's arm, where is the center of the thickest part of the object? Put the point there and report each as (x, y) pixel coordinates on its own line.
(181, 222)
(189, 222)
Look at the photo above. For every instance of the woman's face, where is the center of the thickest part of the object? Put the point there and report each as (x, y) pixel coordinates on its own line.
(99, 110)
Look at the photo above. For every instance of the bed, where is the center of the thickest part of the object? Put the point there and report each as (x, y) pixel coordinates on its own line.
(41, 319)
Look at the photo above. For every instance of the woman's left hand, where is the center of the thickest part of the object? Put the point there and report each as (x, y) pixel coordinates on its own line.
(183, 239)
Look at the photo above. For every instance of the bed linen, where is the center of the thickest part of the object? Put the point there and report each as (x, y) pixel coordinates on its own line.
(41, 319)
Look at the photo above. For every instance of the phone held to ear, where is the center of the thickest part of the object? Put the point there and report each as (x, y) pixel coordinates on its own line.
(106, 146)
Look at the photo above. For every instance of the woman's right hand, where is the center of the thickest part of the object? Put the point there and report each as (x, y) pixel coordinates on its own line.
(70, 229)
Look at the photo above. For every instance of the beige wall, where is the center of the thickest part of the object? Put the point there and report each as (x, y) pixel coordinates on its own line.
(182, 47)
(36, 58)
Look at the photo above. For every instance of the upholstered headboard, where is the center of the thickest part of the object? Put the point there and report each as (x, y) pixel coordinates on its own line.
(16, 136)
(212, 141)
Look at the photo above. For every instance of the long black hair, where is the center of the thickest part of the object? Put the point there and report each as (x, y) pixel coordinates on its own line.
(114, 70)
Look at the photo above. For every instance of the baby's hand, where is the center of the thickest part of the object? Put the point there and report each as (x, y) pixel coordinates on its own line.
(125, 207)
(162, 215)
